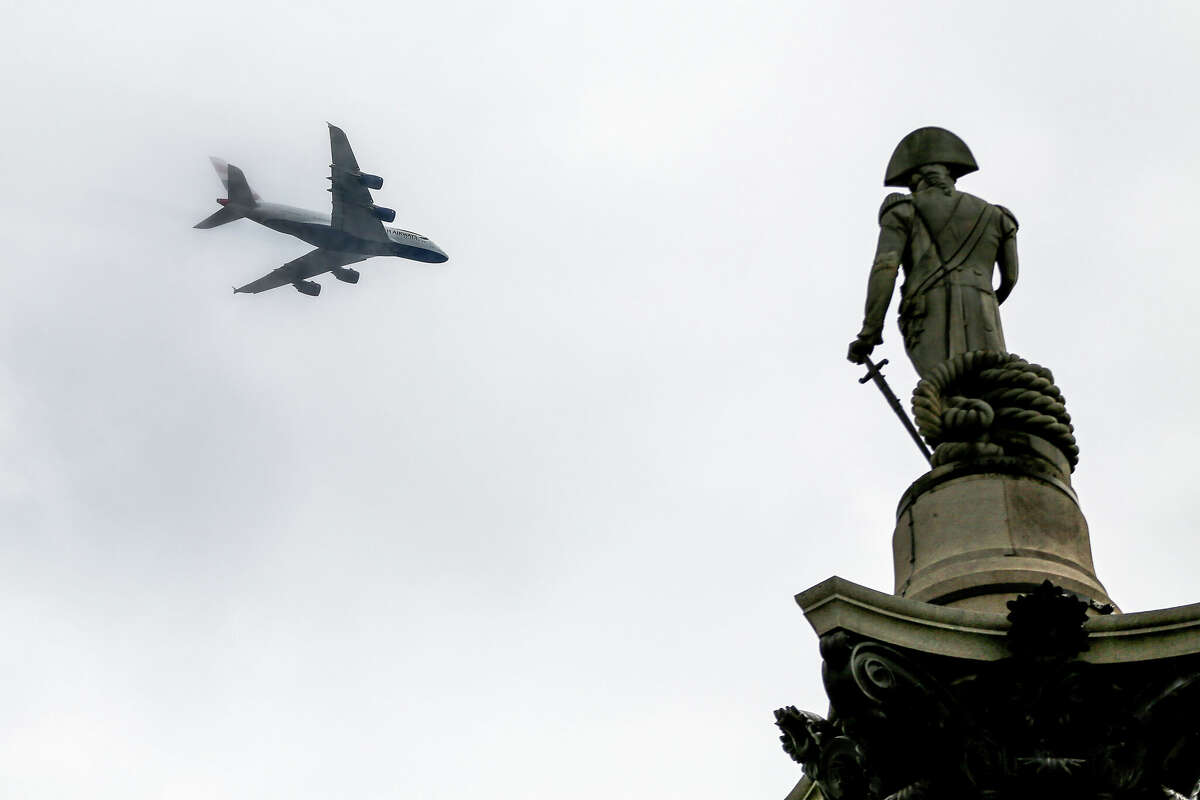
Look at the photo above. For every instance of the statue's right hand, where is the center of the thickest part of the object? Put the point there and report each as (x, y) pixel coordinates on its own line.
(859, 350)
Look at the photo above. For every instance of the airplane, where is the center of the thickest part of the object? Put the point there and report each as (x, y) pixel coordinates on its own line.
(353, 232)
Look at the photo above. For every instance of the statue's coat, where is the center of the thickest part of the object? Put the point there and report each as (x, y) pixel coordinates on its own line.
(948, 243)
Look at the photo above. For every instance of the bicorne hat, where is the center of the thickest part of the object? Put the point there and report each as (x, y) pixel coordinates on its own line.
(928, 146)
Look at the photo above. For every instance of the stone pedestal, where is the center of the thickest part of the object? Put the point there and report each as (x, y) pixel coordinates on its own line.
(997, 669)
(975, 535)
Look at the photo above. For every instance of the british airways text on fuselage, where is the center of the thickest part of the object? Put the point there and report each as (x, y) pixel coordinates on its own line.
(400, 235)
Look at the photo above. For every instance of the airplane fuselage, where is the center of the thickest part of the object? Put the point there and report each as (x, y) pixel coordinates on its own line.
(317, 229)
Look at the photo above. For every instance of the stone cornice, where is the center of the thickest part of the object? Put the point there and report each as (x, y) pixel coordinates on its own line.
(837, 603)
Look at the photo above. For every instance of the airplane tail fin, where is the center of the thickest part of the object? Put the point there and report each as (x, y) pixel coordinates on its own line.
(241, 199)
(239, 190)
(234, 181)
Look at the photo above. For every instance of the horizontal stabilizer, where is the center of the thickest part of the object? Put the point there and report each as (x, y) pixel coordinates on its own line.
(224, 214)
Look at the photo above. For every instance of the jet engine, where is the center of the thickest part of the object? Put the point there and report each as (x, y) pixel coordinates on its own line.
(310, 288)
(383, 214)
(345, 274)
(371, 181)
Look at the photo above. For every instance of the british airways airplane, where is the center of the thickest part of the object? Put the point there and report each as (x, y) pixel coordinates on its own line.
(353, 232)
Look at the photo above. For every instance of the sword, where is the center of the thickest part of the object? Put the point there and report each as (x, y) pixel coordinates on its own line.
(874, 374)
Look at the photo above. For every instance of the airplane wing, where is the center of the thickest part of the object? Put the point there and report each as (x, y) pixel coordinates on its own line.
(351, 199)
(302, 268)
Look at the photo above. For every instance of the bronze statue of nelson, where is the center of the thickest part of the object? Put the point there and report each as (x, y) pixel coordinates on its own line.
(949, 243)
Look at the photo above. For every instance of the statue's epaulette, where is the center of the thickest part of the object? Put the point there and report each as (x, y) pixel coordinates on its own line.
(893, 199)
(1010, 215)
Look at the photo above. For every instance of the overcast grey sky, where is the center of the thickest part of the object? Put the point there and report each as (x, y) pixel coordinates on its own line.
(528, 524)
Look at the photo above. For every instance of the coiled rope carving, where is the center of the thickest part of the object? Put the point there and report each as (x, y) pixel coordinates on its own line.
(968, 403)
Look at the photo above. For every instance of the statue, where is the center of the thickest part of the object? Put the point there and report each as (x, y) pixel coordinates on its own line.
(975, 399)
(949, 243)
